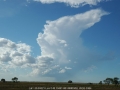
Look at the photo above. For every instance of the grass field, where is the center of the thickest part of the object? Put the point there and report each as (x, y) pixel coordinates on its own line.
(55, 86)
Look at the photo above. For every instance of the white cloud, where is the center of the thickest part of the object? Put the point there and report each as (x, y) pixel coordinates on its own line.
(68, 68)
(62, 71)
(61, 46)
(72, 3)
(15, 53)
(89, 69)
(67, 30)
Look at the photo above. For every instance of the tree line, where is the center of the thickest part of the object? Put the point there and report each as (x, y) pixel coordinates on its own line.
(108, 81)
(13, 79)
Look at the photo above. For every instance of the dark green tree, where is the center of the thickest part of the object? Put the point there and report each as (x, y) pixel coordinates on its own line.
(105, 81)
(108, 80)
(69, 81)
(112, 81)
(100, 82)
(2, 80)
(115, 80)
(14, 79)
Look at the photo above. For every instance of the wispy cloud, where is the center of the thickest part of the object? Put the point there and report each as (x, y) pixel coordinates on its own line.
(90, 69)
(72, 3)
(11, 8)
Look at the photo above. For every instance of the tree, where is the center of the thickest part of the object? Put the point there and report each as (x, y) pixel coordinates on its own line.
(118, 82)
(115, 80)
(2, 80)
(108, 80)
(100, 82)
(112, 80)
(90, 83)
(69, 81)
(105, 81)
(14, 79)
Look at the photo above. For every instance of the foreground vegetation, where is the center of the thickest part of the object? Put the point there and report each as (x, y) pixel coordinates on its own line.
(109, 84)
(36, 86)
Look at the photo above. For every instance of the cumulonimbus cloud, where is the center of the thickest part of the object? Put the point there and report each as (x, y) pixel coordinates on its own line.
(62, 48)
(72, 3)
(61, 40)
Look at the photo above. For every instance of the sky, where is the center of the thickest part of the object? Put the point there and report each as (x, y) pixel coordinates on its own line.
(59, 40)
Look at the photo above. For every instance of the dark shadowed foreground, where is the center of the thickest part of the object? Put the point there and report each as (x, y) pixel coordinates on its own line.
(55, 86)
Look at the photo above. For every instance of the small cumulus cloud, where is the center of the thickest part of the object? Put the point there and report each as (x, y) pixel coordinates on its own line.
(68, 68)
(15, 53)
(62, 71)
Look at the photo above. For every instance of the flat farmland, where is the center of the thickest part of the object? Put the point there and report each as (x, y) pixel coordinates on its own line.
(55, 86)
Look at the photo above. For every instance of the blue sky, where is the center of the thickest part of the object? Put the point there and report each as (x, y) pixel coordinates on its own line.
(59, 40)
